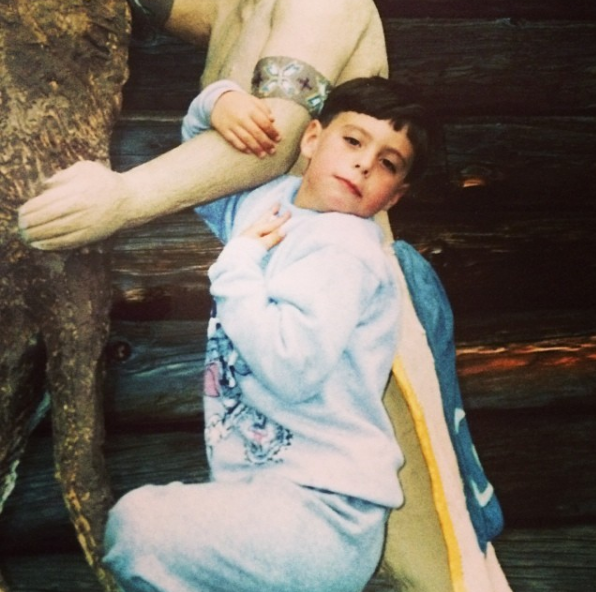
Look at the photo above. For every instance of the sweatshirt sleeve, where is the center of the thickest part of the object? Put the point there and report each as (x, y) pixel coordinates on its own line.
(219, 214)
(292, 329)
(198, 117)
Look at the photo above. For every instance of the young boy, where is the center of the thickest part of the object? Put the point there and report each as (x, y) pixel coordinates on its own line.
(304, 329)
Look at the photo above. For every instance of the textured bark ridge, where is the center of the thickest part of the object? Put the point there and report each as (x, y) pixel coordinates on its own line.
(62, 67)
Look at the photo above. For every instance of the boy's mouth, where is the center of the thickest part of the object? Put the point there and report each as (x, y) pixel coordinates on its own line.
(351, 186)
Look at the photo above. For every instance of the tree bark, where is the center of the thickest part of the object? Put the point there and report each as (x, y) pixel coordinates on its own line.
(62, 68)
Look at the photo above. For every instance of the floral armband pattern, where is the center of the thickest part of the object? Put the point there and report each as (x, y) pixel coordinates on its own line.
(291, 79)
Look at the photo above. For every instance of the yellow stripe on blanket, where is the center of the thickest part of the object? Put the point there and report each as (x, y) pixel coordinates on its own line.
(440, 501)
(431, 545)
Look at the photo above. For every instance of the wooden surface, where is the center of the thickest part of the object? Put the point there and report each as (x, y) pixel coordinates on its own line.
(536, 560)
(506, 217)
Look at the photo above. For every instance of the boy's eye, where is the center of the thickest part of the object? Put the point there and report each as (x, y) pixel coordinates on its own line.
(389, 165)
(351, 140)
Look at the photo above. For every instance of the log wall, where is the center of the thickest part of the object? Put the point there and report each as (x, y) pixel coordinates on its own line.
(506, 216)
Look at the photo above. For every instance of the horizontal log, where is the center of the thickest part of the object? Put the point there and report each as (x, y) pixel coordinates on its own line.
(462, 66)
(488, 263)
(521, 9)
(548, 559)
(529, 326)
(139, 137)
(167, 64)
(541, 464)
(559, 373)
(519, 263)
(540, 560)
(155, 373)
(160, 269)
(504, 66)
(511, 164)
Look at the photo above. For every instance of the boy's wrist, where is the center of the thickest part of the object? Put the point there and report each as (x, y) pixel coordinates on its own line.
(211, 93)
(198, 116)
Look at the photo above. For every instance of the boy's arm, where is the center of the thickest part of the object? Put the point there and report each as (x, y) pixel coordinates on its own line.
(290, 330)
(88, 202)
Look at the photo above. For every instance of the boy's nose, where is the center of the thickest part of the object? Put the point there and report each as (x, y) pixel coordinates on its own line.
(364, 162)
(363, 168)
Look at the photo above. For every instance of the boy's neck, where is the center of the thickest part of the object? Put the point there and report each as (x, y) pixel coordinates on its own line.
(301, 199)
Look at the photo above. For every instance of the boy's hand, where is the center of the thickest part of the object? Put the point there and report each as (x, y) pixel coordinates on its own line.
(268, 228)
(245, 122)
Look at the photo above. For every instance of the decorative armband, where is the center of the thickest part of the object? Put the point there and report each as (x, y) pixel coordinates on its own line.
(291, 79)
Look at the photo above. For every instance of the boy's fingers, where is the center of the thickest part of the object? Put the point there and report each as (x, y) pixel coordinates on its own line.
(266, 126)
(264, 138)
(270, 221)
(274, 235)
(255, 141)
(262, 111)
(269, 229)
(235, 141)
(265, 110)
(275, 222)
(273, 239)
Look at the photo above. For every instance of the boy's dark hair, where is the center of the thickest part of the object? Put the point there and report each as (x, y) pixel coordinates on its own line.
(388, 101)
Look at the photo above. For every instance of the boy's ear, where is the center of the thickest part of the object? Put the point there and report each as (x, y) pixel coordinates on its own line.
(310, 138)
(397, 195)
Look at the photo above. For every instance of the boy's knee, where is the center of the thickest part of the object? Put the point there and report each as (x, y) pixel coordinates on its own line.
(129, 537)
(129, 521)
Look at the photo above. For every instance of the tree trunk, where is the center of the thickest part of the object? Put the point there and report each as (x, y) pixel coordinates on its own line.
(62, 67)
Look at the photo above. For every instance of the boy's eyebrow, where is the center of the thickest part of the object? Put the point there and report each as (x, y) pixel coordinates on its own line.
(351, 126)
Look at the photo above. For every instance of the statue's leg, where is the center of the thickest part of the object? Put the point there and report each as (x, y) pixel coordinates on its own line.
(75, 332)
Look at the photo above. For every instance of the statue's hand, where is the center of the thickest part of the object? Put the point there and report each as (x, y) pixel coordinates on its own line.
(79, 205)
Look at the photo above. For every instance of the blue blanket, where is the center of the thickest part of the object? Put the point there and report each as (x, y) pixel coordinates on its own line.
(434, 312)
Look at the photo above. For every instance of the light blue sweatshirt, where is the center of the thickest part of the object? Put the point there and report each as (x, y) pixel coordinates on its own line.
(300, 348)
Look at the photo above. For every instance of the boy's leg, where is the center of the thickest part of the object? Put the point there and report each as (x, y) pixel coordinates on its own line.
(258, 536)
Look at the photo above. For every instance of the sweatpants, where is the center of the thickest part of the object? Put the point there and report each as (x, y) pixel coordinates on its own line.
(262, 534)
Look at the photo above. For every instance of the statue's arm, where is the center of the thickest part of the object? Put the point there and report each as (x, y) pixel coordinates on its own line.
(187, 19)
(87, 202)
(321, 34)
(190, 19)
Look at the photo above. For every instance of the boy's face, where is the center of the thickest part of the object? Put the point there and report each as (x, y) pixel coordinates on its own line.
(357, 165)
